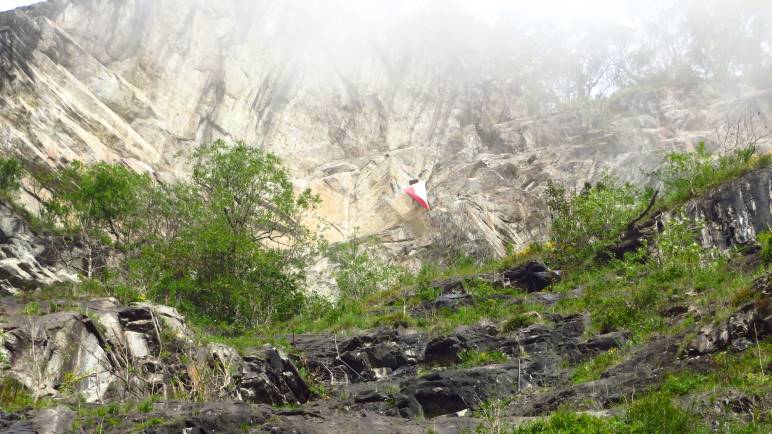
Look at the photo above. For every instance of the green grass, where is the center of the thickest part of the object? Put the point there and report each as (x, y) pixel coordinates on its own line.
(632, 294)
(687, 175)
(567, 422)
(473, 358)
(591, 370)
(15, 397)
(652, 414)
(519, 321)
(657, 413)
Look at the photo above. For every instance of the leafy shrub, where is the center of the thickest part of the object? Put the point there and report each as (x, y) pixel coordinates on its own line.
(685, 175)
(582, 224)
(656, 413)
(99, 198)
(10, 175)
(765, 241)
(358, 273)
(678, 251)
(472, 358)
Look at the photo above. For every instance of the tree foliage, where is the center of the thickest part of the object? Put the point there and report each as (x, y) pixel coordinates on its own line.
(101, 198)
(584, 223)
(229, 245)
(358, 272)
(10, 175)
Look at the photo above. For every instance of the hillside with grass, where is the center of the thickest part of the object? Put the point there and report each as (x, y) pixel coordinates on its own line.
(131, 305)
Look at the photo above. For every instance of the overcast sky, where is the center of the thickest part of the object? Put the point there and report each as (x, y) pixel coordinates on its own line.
(12, 4)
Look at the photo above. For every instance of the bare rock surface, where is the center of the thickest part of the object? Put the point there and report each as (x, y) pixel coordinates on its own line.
(736, 211)
(24, 259)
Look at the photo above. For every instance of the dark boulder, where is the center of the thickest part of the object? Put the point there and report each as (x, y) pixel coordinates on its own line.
(596, 345)
(452, 300)
(446, 350)
(530, 277)
(268, 376)
(735, 211)
(455, 390)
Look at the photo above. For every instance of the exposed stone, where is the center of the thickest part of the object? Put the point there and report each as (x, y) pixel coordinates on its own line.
(735, 211)
(23, 264)
(530, 277)
(446, 350)
(43, 350)
(455, 390)
(268, 376)
(55, 420)
(749, 324)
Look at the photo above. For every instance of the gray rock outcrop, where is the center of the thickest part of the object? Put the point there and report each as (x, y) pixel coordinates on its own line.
(736, 211)
(25, 260)
(103, 350)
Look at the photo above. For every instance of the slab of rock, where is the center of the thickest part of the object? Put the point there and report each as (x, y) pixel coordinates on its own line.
(736, 211)
(54, 420)
(23, 264)
(268, 376)
(530, 277)
(455, 390)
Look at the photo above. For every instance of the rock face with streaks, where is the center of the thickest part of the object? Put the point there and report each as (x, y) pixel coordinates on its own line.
(26, 259)
(736, 211)
(144, 81)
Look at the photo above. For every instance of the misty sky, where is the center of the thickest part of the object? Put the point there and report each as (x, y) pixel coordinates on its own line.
(484, 9)
(12, 4)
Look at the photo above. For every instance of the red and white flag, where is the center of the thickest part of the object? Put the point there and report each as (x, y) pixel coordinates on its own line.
(417, 190)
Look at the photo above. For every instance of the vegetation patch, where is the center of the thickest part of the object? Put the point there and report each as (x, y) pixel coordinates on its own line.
(15, 397)
(592, 369)
(473, 358)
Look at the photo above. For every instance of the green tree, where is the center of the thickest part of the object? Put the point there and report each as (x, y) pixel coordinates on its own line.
(105, 197)
(230, 245)
(94, 205)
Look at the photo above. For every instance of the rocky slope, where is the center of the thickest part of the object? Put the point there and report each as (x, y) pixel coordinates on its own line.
(389, 379)
(143, 81)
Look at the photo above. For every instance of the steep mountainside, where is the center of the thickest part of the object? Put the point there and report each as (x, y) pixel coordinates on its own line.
(143, 81)
(90, 364)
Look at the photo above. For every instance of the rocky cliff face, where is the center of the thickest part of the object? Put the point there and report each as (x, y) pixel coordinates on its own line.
(143, 81)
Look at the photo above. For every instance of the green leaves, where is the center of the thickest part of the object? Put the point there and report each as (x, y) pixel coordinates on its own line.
(358, 273)
(685, 175)
(229, 246)
(10, 175)
(100, 198)
(584, 223)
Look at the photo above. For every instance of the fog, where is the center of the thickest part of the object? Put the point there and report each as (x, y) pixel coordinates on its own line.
(560, 49)
(554, 50)
(13, 4)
